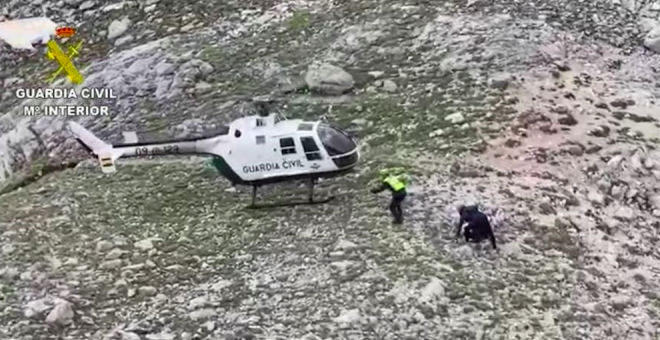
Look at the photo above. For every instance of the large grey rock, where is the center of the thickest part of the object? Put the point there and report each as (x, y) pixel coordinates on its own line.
(434, 289)
(123, 40)
(147, 291)
(110, 264)
(162, 88)
(103, 246)
(12, 81)
(128, 336)
(637, 162)
(348, 316)
(160, 336)
(62, 313)
(328, 79)
(652, 40)
(596, 198)
(655, 201)
(647, 25)
(624, 214)
(36, 307)
(86, 5)
(144, 245)
(118, 27)
(500, 82)
(389, 86)
(455, 118)
(202, 314)
(165, 68)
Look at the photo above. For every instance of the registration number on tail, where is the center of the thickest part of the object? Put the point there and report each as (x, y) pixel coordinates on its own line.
(168, 149)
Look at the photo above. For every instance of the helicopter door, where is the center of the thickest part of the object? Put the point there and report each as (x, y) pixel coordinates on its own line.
(312, 151)
(291, 158)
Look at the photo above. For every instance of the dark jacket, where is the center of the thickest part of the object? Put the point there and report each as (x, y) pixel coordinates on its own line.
(478, 227)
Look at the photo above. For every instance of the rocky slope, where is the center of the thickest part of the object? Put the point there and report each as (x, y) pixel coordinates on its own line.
(543, 112)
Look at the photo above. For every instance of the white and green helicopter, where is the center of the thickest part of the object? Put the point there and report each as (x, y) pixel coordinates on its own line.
(254, 150)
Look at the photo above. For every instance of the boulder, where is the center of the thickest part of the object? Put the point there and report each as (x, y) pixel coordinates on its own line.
(652, 40)
(328, 79)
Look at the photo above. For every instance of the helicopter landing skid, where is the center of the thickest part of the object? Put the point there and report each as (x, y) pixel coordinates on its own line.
(310, 198)
(289, 204)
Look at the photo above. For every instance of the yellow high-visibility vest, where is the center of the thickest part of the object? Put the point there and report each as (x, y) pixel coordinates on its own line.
(395, 183)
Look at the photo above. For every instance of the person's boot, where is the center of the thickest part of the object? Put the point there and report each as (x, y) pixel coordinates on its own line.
(398, 219)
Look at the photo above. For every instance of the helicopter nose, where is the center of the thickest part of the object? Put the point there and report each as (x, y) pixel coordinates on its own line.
(348, 160)
(341, 147)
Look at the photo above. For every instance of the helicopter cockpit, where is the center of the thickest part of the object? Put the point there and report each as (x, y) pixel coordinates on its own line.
(339, 145)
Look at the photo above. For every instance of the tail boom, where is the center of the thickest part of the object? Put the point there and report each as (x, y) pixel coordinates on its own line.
(160, 149)
(108, 153)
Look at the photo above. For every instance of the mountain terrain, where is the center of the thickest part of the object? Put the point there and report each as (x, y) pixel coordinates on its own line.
(544, 113)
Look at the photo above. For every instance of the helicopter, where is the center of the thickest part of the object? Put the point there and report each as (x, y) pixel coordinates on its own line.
(254, 150)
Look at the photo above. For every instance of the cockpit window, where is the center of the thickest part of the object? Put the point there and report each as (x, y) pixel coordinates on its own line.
(305, 127)
(335, 141)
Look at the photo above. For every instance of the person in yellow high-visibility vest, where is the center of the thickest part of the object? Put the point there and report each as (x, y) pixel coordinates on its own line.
(396, 183)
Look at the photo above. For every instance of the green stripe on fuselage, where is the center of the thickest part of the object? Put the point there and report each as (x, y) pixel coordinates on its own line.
(225, 170)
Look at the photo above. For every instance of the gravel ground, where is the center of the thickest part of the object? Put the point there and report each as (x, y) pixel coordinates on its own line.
(542, 112)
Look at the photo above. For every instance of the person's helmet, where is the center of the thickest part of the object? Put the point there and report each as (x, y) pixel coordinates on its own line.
(468, 209)
(384, 173)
